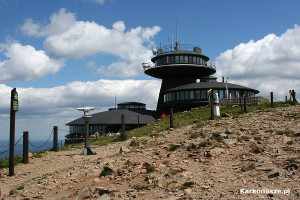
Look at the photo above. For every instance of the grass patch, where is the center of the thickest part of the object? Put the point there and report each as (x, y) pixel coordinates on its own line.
(248, 167)
(217, 137)
(4, 162)
(204, 144)
(134, 143)
(173, 147)
(20, 187)
(106, 171)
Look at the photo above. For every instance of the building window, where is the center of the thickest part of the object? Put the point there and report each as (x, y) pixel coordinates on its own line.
(194, 60)
(186, 95)
(203, 94)
(191, 59)
(197, 94)
(221, 94)
(233, 93)
(173, 97)
(176, 59)
(192, 94)
(186, 59)
(181, 95)
(181, 59)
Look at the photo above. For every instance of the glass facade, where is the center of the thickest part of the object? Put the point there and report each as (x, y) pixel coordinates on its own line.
(202, 95)
(180, 59)
(80, 129)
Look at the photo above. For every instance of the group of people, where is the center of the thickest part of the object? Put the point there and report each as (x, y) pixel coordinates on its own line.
(102, 134)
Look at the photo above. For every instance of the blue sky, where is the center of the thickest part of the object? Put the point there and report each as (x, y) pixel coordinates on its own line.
(63, 54)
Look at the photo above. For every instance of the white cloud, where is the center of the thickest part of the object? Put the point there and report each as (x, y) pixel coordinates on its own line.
(25, 63)
(99, 1)
(271, 64)
(43, 108)
(59, 22)
(89, 38)
(68, 38)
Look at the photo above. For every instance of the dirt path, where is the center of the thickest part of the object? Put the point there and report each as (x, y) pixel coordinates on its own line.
(257, 151)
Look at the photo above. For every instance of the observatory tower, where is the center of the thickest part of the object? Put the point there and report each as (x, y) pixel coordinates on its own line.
(186, 78)
(178, 66)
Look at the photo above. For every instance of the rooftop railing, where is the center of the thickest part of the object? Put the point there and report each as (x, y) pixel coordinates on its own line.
(151, 65)
(178, 47)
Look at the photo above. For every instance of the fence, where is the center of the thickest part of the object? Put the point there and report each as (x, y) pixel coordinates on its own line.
(239, 101)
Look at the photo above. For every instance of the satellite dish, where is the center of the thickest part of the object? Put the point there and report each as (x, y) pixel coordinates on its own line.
(154, 51)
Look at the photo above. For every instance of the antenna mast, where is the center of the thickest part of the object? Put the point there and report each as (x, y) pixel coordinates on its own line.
(177, 43)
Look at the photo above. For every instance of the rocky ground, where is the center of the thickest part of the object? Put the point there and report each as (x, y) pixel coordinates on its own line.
(228, 158)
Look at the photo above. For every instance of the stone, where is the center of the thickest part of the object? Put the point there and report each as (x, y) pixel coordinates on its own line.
(273, 175)
(102, 190)
(171, 187)
(83, 193)
(187, 191)
(104, 197)
(162, 183)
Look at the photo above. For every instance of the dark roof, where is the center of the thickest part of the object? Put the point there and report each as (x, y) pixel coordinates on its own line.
(212, 85)
(114, 117)
(131, 103)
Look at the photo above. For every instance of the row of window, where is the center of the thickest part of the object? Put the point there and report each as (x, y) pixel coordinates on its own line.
(92, 129)
(180, 59)
(127, 106)
(202, 94)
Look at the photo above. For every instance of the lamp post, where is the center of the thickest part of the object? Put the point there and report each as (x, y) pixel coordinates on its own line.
(86, 116)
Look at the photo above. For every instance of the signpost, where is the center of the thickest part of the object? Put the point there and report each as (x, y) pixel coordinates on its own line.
(14, 107)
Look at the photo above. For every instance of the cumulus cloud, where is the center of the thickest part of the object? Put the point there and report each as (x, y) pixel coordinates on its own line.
(25, 63)
(42, 108)
(67, 38)
(269, 64)
(59, 22)
(99, 1)
(100, 94)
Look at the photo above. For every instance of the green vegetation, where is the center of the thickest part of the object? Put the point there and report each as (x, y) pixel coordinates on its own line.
(20, 187)
(204, 144)
(198, 117)
(134, 143)
(150, 168)
(174, 147)
(248, 167)
(217, 137)
(4, 162)
(106, 171)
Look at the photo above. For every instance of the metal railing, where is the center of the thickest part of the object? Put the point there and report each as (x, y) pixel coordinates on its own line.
(238, 101)
(151, 65)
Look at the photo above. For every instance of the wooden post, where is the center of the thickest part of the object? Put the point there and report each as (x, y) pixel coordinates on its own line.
(13, 109)
(55, 139)
(293, 95)
(241, 105)
(123, 127)
(171, 118)
(245, 104)
(271, 97)
(286, 98)
(25, 147)
(138, 121)
(212, 117)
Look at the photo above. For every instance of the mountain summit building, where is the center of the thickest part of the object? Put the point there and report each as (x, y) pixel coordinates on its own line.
(187, 76)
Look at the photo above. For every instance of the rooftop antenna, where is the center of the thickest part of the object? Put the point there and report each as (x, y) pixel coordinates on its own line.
(176, 31)
(177, 48)
(171, 42)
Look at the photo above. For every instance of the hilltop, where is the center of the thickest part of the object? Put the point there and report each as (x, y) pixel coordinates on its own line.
(211, 159)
